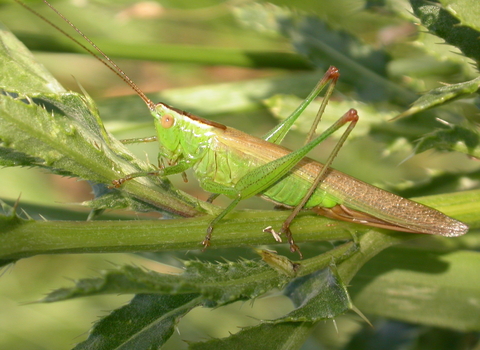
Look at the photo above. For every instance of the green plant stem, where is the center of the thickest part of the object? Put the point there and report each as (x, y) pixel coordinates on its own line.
(21, 239)
(240, 229)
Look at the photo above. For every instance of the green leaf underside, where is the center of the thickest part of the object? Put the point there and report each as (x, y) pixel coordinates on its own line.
(456, 137)
(218, 283)
(150, 318)
(318, 296)
(147, 322)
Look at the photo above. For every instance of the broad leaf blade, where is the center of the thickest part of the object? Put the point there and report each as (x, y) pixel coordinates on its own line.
(444, 25)
(282, 336)
(147, 322)
(19, 71)
(62, 132)
(421, 286)
(466, 11)
(318, 296)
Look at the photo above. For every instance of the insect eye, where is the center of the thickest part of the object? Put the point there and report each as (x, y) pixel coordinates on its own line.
(167, 121)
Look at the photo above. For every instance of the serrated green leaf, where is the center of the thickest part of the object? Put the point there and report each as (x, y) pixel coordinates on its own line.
(442, 95)
(318, 296)
(19, 71)
(217, 283)
(454, 137)
(466, 11)
(119, 200)
(28, 127)
(62, 132)
(442, 24)
(11, 157)
(282, 336)
(147, 322)
(443, 53)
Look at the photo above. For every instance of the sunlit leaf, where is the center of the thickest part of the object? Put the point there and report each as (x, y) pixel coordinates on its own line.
(441, 23)
(442, 95)
(466, 11)
(146, 322)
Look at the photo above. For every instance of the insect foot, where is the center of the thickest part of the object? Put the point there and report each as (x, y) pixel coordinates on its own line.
(208, 237)
(275, 235)
(117, 183)
(293, 247)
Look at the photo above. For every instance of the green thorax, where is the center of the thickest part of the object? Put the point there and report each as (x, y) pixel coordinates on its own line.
(182, 137)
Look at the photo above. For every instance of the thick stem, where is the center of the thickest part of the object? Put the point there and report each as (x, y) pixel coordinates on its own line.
(21, 239)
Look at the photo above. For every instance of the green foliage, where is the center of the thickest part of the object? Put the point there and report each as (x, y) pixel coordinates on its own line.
(441, 19)
(425, 286)
(81, 146)
(145, 323)
(429, 283)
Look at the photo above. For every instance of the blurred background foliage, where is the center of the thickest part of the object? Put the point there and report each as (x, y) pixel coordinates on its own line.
(222, 60)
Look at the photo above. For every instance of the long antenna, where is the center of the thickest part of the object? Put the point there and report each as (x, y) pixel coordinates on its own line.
(107, 61)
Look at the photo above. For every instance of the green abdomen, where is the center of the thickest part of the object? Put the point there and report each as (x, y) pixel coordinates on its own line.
(291, 189)
(226, 164)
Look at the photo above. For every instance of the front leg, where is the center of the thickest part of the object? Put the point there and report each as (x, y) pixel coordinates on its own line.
(174, 169)
(217, 189)
(139, 140)
(208, 236)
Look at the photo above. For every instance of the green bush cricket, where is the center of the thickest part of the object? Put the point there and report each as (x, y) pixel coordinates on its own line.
(229, 162)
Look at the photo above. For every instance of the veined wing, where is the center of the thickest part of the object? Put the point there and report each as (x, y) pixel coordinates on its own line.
(358, 201)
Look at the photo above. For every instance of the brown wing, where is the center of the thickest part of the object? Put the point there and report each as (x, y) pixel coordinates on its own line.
(358, 201)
